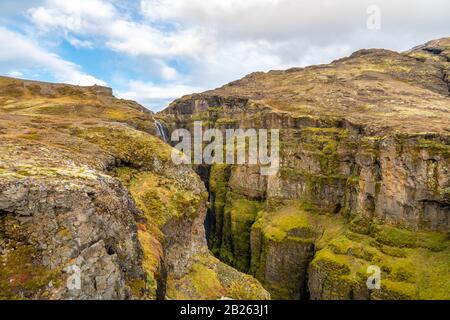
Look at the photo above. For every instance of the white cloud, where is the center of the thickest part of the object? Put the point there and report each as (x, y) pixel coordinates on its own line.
(200, 31)
(100, 19)
(155, 96)
(77, 43)
(277, 20)
(22, 52)
(75, 16)
(216, 41)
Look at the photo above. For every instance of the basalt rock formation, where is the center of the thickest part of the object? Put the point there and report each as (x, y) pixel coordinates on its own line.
(91, 206)
(364, 177)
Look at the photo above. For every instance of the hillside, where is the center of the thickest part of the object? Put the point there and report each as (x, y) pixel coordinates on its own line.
(364, 177)
(91, 207)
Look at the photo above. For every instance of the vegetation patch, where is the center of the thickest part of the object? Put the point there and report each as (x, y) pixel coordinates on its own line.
(414, 265)
(435, 147)
(209, 279)
(22, 276)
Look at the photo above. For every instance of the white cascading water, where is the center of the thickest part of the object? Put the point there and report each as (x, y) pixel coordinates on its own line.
(162, 131)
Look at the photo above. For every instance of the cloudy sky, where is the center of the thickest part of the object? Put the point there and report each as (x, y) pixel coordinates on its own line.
(154, 51)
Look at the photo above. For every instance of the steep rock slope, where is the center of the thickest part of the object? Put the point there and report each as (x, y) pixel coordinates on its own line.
(364, 177)
(91, 206)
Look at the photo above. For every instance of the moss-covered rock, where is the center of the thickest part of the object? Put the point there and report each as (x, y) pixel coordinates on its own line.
(408, 271)
(208, 278)
(22, 275)
(283, 241)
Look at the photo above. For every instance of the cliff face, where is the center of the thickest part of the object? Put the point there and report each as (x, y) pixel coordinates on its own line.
(364, 177)
(91, 206)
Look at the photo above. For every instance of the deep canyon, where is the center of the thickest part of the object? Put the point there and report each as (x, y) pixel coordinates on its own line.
(87, 181)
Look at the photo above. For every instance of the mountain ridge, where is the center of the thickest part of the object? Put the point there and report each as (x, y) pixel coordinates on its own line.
(376, 88)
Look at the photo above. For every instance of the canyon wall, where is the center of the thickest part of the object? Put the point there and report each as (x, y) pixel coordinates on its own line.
(364, 177)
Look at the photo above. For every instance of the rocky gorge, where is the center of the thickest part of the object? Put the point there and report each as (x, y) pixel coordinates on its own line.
(87, 184)
(363, 181)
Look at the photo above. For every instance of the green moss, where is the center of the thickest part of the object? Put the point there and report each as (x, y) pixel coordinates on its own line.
(274, 233)
(293, 174)
(434, 241)
(24, 170)
(353, 180)
(143, 289)
(391, 290)
(65, 233)
(148, 236)
(290, 222)
(205, 280)
(131, 146)
(344, 263)
(226, 122)
(209, 279)
(281, 226)
(361, 225)
(160, 198)
(202, 116)
(434, 271)
(215, 109)
(126, 174)
(324, 144)
(435, 147)
(403, 270)
(248, 289)
(362, 250)
(30, 136)
(22, 275)
(395, 237)
(117, 114)
(446, 193)
(378, 186)
(393, 251)
(331, 131)
(201, 281)
(308, 207)
(384, 66)
(423, 56)
(414, 264)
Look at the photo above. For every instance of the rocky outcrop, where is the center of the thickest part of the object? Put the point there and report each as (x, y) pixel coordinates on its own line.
(79, 221)
(90, 222)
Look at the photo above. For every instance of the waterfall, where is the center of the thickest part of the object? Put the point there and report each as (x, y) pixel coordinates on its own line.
(162, 131)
